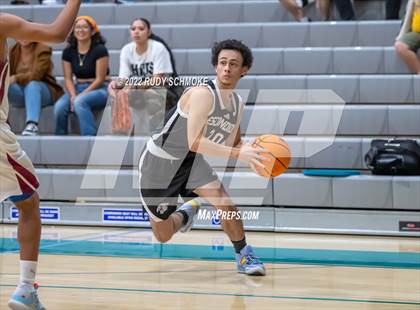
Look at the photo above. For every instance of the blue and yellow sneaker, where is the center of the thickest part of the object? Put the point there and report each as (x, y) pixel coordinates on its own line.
(25, 298)
(191, 208)
(248, 263)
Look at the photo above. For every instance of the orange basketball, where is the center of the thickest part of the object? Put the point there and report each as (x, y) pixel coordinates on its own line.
(278, 156)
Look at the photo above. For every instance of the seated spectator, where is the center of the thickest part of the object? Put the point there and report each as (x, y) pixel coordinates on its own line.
(86, 58)
(408, 40)
(32, 84)
(147, 56)
(295, 7)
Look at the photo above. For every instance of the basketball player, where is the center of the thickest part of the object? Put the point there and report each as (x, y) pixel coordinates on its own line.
(205, 121)
(17, 178)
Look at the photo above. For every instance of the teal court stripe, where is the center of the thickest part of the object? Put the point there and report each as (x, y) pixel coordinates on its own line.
(410, 260)
(302, 298)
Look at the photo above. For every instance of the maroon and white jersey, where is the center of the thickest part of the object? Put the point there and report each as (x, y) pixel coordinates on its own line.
(4, 85)
(17, 174)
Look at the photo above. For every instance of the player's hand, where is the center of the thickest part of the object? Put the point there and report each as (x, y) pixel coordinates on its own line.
(253, 168)
(252, 155)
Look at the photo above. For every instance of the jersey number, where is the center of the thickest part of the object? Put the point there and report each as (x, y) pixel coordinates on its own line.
(215, 137)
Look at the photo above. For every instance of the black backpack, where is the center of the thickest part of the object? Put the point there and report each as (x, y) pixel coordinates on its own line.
(394, 157)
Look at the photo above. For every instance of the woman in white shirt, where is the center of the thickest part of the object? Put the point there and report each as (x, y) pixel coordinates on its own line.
(146, 55)
(144, 63)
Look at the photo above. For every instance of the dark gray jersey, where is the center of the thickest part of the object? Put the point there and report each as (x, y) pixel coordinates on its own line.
(171, 141)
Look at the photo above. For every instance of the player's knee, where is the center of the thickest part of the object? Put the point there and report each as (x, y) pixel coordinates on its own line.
(226, 208)
(29, 206)
(226, 203)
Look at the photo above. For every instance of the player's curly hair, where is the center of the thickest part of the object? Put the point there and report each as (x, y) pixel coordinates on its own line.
(235, 45)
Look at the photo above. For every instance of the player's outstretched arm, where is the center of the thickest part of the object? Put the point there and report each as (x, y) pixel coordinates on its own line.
(12, 26)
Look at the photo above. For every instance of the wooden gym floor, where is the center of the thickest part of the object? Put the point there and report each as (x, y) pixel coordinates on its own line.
(125, 268)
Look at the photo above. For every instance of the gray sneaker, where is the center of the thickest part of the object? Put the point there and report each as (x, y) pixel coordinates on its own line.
(191, 208)
(248, 263)
(30, 130)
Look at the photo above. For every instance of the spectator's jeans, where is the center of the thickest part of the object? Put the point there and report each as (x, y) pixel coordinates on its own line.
(33, 96)
(83, 106)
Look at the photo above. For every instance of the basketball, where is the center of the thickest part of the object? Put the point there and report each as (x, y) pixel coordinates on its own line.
(278, 156)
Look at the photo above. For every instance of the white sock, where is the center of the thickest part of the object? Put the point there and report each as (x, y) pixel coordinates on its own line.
(27, 273)
(304, 19)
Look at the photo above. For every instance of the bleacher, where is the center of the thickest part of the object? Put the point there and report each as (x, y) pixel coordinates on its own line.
(374, 96)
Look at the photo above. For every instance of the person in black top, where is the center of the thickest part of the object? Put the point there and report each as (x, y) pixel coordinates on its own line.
(85, 57)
